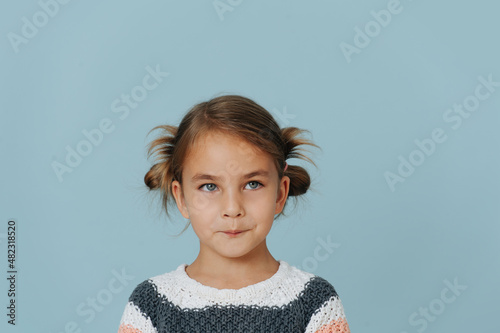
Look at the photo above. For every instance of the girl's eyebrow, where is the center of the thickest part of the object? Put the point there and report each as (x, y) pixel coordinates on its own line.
(199, 176)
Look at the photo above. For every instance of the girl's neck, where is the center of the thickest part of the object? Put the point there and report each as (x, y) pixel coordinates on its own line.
(232, 273)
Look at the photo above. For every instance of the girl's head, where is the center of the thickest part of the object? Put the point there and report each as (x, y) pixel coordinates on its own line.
(203, 162)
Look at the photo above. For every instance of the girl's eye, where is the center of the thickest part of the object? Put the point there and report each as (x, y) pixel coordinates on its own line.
(255, 182)
(211, 187)
(208, 185)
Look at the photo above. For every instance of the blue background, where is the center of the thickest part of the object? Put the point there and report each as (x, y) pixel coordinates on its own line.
(395, 247)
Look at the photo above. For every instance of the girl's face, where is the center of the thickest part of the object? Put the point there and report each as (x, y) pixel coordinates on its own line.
(230, 185)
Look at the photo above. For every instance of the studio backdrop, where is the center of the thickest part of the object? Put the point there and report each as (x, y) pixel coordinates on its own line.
(402, 96)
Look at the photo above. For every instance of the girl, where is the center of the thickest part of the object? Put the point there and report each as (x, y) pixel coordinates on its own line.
(225, 166)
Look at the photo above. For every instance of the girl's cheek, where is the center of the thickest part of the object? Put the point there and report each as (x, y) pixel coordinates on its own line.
(200, 203)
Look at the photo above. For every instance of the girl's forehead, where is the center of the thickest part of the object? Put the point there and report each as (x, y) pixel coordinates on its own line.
(219, 141)
(227, 152)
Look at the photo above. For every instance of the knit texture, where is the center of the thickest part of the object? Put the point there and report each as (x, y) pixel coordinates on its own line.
(291, 300)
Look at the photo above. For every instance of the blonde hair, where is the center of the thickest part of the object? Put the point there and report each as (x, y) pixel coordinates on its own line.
(229, 114)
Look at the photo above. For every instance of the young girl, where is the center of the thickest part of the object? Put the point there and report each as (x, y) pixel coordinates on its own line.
(225, 166)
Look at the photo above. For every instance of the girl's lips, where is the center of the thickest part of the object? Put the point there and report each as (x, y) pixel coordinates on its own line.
(232, 234)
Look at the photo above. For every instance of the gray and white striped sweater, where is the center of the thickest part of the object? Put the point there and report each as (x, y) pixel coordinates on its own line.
(291, 300)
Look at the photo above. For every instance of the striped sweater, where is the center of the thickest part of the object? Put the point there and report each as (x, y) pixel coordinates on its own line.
(291, 300)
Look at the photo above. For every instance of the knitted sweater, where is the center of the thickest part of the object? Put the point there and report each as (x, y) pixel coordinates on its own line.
(291, 300)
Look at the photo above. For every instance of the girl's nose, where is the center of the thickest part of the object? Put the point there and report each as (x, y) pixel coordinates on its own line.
(232, 204)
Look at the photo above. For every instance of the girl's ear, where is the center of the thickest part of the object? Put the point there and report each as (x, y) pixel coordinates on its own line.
(179, 198)
(283, 189)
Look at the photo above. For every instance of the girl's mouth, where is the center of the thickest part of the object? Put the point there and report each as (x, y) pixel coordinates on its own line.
(233, 234)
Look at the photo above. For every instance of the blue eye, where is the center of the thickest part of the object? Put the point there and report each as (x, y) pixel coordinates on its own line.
(206, 185)
(253, 181)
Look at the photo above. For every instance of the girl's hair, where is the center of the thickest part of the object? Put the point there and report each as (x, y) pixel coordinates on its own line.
(234, 115)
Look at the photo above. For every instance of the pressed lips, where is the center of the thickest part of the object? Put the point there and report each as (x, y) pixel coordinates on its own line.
(233, 232)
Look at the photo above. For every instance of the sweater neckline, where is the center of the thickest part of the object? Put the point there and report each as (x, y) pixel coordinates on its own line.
(262, 287)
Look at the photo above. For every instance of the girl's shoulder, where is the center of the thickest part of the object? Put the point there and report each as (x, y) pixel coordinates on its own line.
(158, 283)
(316, 290)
